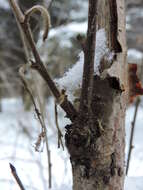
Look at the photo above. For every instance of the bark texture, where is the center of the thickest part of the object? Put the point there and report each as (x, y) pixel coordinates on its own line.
(96, 143)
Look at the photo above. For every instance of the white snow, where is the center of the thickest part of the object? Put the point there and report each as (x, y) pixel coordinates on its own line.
(64, 33)
(134, 56)
(134, 183)
(18, 132)
(101, 49)
(82, 13)
(72, 79)
(4, 4)
(69, 29)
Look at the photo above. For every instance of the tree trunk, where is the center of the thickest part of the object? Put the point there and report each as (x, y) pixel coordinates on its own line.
(96, 143)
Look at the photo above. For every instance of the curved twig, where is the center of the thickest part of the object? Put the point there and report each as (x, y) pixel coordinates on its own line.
(45, 15)
(66, 105)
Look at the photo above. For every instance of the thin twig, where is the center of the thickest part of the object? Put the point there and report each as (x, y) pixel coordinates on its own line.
(21, 73)
(14, 173)
(89, 54)
(40, 116)
(39, 66)
(132, 135)
(46, 139)
(49, 165)
(60, 135)
(20, 19)
(41, 119)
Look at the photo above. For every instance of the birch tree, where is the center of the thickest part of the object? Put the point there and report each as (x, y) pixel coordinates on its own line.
(95, 138)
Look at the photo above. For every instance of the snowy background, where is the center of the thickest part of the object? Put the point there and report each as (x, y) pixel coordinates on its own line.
(19, 129)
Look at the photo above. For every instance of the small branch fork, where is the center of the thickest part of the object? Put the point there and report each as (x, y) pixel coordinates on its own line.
(132, 135)
(37, 64)
(89, 54)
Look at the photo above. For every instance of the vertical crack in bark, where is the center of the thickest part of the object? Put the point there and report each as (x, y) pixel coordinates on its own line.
(113, 164)
(115, 45)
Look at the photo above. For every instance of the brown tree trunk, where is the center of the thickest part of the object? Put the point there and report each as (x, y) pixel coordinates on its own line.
(96, 142)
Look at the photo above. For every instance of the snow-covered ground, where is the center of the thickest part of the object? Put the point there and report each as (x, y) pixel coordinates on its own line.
(18, 133)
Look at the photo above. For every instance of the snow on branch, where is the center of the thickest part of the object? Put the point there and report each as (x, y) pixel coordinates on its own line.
(72, 79)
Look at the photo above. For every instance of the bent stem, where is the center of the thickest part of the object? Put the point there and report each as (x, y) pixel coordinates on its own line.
(38, 64)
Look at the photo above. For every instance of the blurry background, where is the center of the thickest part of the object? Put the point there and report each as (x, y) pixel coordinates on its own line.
(19, 127)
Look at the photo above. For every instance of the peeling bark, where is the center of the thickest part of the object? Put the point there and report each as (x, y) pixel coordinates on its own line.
(96, 144)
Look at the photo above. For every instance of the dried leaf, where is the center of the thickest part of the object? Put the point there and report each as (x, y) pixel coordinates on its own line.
(135, 87)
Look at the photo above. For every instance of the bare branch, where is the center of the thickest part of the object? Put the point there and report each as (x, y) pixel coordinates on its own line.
(132, 135)
(38, 64)
(43, 134)
(89, 54)
(21, 73)
(14, 173)
(49, 163)
(60, 135)
(17, 12)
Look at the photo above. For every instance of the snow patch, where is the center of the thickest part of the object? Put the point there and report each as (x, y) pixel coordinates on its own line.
(133, 183)
(100, 50)
(134, 55)
(69, 29)
(72, 79)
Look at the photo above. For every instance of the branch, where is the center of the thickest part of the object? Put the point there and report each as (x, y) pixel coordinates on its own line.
(89, 54)
(49, 163)
(60, 135)
(38, 64)
(22, 70)
(14, 173)
(45, 15)
(132, 135)
(40, 117)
